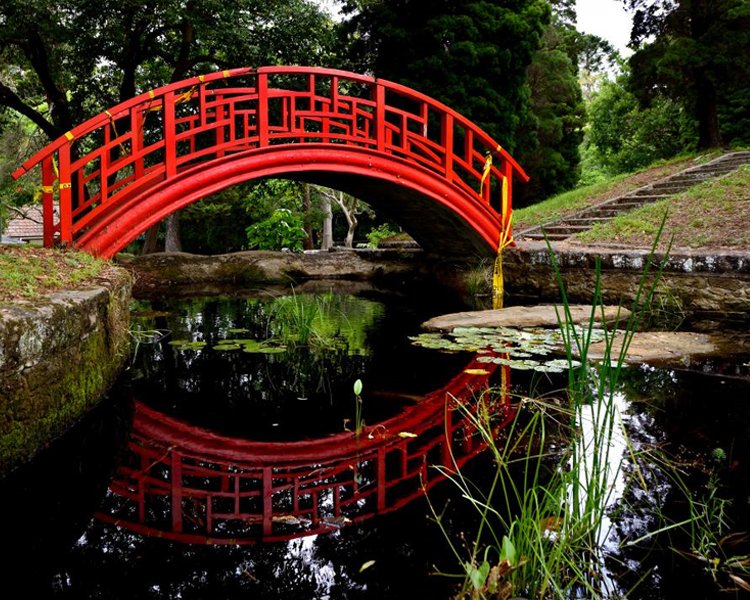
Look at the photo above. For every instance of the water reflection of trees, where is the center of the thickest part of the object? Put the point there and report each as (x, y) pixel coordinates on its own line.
(303, 392)
(682, 416)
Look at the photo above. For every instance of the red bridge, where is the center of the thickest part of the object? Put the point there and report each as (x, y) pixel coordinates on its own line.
(426, 167)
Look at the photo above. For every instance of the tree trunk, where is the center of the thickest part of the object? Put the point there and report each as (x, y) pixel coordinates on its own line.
(307, 243)
(151, 243)
(326, 240)
(702, 15)
(709, 135)
(348, 206)
(351, 220)
(173, 242)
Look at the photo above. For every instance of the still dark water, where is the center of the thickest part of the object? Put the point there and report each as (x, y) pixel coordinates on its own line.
(233, 460)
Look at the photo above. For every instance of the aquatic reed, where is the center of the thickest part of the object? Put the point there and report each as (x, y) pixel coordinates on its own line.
(543, 521)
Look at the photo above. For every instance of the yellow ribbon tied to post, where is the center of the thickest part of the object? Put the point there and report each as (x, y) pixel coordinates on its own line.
(487, 166)
(506, 239)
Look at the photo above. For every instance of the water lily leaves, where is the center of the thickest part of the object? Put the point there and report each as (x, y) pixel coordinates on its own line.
(521, 349)
(227, 346)
(251, 346)
(435, 341)
(264, 347)
(187, 344)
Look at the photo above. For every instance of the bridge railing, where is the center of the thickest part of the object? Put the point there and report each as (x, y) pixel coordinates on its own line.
(185, 125)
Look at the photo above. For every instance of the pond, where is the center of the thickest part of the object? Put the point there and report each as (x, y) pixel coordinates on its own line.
(280, 444)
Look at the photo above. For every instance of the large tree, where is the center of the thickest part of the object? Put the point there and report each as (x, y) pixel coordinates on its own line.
(550, 149)
(61, 62)
(472, 55)
(694, 52)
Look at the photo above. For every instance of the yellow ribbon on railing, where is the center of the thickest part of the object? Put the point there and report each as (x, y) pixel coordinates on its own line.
(488, 163)
(487, 166)
(181, 99)
(123, 149)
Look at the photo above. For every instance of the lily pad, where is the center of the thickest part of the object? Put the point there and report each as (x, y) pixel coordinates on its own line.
(256, 347)
(227, 346)
(265, 350)
(187, 344)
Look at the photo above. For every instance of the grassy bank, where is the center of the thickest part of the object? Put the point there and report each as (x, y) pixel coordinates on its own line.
(571, 202)
(709, 215)
(26, 272)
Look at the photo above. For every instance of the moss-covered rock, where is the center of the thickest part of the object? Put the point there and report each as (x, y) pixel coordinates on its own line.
(59, 355)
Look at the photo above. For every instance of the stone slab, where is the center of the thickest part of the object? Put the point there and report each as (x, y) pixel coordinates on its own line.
(543, 315)
(661, 346)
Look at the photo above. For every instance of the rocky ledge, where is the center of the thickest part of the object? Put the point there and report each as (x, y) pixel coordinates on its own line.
(154, 272)
(59, 354)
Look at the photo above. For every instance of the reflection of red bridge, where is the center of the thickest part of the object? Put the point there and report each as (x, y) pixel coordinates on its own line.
(406, 154)
(186, 484)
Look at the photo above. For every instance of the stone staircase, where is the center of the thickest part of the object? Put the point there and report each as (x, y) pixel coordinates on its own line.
(674, 184)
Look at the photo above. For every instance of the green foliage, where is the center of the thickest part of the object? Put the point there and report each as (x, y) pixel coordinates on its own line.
(379, 233)
(323, 321)
(283, 229)
(217, 224)
(694, 52)
(17, 143)
(471, 55)
(551, 156)
(625, 137)
(83, 56)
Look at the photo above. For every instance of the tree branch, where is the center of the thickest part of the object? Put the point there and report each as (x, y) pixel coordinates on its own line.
(10, 99)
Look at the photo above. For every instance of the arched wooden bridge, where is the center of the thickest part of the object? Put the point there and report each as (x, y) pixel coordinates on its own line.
(428, 168)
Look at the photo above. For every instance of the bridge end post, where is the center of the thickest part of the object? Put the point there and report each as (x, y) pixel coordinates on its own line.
(48, 203)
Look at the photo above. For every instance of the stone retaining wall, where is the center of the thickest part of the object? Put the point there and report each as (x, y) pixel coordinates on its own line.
(701, 285)
(58, 356)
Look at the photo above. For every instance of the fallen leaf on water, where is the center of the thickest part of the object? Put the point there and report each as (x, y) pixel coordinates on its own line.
(367, 565)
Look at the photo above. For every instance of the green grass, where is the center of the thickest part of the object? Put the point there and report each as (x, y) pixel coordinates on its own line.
(27, 272)
(563, 204)
(703, 216)
(572, 201)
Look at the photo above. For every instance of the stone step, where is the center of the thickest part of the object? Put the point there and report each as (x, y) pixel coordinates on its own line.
(566, 229)
(606, 212)
(587, 220)
(665, 188)
(719, 170)
(556, 237)
(670, 189)
(646, 197)
(694, 178)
